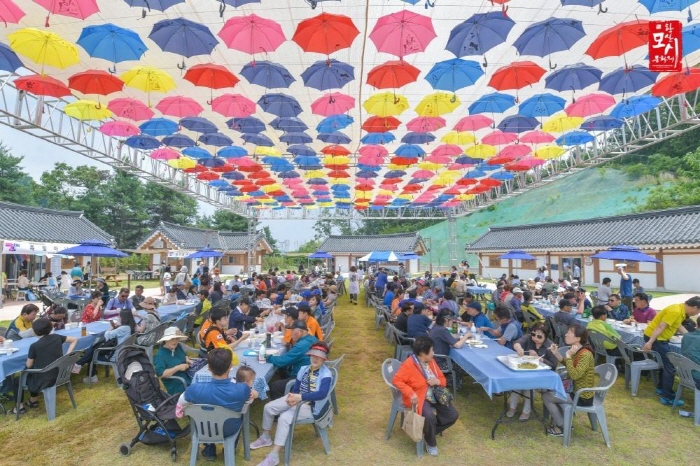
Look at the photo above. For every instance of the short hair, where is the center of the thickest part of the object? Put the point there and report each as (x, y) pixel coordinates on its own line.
(138, 287)
(502, 312)
(59, 310)
(642, 296)
(304, 308)
(422, 345)
(606, 280)
(569, 296)
(693, 302)
(217, 313)
(204, 293)
(580, 332)
(636, 280)
(42, 327)
(539, 326)
(235, 288)
(406, 306)
(245, 374)
(615, 295)
(443, 316)
(28, 309)
(219, 360)
(96, 294)
(598, 312)
(413, 294)
(527, 295)
(419, 309)
(449, 296)
(124, 290)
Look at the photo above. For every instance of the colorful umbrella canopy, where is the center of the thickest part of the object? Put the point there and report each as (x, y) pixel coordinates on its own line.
(623, 252)
(437, 104)
(325, 33)
(540, 105)
(634, 106)
(573, 77)
(377, 124)
(252, 34)
(549, 36)
(158, 127)
(402, 33)
(425, 124)
(516, 76)
(677, 83)
(79, 9)
(233, 105)
(601, 123)
(148, 79)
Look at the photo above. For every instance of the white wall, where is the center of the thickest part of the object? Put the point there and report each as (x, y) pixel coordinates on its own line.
(680, 273)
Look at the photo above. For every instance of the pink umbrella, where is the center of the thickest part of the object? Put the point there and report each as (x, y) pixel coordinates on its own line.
(9, 12)
(291, 182)
(179, 106)
(423, 174)
(509, 154)
(373, 150)
(590, 105)
(333, 103)
(165, 154)
(403, 33)
(425, 124)
(498, 137)
(524, 164)
(132, 109)
(252, 34)
(449, 150)
(442, 159)
(79, 9)
(536, 137)
(370, 160)
(473, 123)
(120, 129)
(233, 105)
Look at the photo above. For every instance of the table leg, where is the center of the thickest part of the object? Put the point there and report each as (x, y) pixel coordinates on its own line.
(506, 395)
(533, 412)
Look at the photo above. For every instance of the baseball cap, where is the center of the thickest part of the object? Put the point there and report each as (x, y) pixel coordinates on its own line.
(300, 325)
(475, 305)
(291, 311)
(517, 290)
(305, 294)
(304, 307)
(316, 292)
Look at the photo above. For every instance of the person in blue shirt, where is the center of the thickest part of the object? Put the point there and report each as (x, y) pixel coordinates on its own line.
(509, 330)
(625, 286)
(473, 314)
(616, 309)
(380, 282)
(389, 296)
(289, 363)
(419, 323)
(220, 391)
(76, 273)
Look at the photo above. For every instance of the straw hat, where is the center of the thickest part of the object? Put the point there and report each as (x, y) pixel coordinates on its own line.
(172, 333)
(149, 303)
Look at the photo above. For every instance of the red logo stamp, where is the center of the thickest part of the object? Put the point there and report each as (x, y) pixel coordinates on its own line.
(665, 46)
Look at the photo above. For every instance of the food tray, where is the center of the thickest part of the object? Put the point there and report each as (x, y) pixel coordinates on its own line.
(512, 364)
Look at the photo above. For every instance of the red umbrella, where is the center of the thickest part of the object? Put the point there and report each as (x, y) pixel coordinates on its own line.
(95, 82)
(340, 166)
(426, 124)
(196, 169)
(265, 182)
(403, 33)
(489, 182)
(617, 40)
(211, 76)
(477, 190)
(403, 160)
(524, 164)
(498, 137)
(335, 150)
(132, 109)
(248, 189)
(38, 84)
(677, 83)
(509, 154)
(252, 34)
(473, 123)
(392, 75)
(223, 168)
(338, 174)
(80, 9)
(364, 187)
(179, 106)
(516, 75)
(412, 188)
(377, 124)
(259, 175)
(9, 12)
(590, 105)
(453, 190)
(333, 103)
(233, 105)
(467, 181)
(391, 181)
(325, 33)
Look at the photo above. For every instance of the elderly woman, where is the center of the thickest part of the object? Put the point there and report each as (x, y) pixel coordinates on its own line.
(103, 288)
(580, 365)
(312, 384)
(416, 379)
(150, 321)
(172, 361)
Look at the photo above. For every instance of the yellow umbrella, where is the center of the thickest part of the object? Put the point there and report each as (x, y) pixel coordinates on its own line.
(459, 138)
(270, 187)
(464, 197)
(87, 110)
(340, 181)
(385, 192)
(481, 151)
(147, 79)
(267, 200)
(182, 163)
(447, 177)
(561, 123)
(405, 196)
(386, 104)
(336, 160)
(437, 104)
(44, 48)
(429, 166)
(269, 151)
(326, 204)
(549, 152)
(315, 174)
(363, 195)
(395, 166)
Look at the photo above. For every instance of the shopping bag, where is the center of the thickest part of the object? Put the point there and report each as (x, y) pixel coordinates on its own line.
(413, 425)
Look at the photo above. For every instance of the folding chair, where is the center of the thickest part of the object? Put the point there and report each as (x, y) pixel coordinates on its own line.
(335, 364)
(633, 368)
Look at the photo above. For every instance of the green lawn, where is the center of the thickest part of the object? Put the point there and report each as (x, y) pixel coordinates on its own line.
(91, 435)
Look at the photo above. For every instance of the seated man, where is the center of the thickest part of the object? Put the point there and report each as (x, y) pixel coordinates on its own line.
(564, 315)
(290, 313)
(138, 297)
(220, 391)
(599, 325)
(473, 314)
(58, 316)
(642, 312)
(21, 327)
(310, 321)
(509, 330)
(240, 318)
(289, 363)
(419, 322)
(401, 322)
(528, 308)
(76, 289)
(119, 302)
(616, 309)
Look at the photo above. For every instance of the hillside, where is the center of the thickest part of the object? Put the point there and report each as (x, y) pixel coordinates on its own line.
(587, 194)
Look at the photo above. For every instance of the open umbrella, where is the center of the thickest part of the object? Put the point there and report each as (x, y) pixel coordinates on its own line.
(589, 3)
(148, 79)
(288, 124)
(9, 12)
(246, 125)
(540, 105)
(183, 37)
(602, 123)
(334, 123)
(332, 103)
(119, 129)
(164, 154)
(498, 137)
(634, 106)
(296, 138)
(112, 43)
(549, 36)
(158, 127)
(325, 33)
(79, 9)
(677, 83)
(378, 138)
(252, 34)
(590, 105)
(328, 74)
(44, 48)
(9, 61)
(132, 109)
(622, 252)
(258, 140)
(215, 139)
(414, 137)
(518, 124)
(211, 75)
(573, 77)
(549, 152)
(479, 34)
(619, 39)
(392, 75)
(233, 105)
(87, 110)
(95, 82)
(517, 254)
(280, 104)
(267, 74)
(320, 255)
(436, 104)
(561, 123)
(386, 104)
(575, 138)
(425, 124)
(197, 153)
(495, 102)
(454, 74)
(95, 248)
(656, 6)
(39, 84)
(179, 106)
(336, 137)
(204, 253)
(198, 125)
(142, 141)
(379, 256)
(402, 33)
(627, 80)
(516, 75)
(536, 137)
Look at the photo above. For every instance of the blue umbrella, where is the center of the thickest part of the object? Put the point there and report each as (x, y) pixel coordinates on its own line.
(296, 138)
(601, 123)
(246, 125)
(517, 254)
(623, 252)
(690, 37)
(590, 3)
(219, 184)
(314, 181)
(475, 174)
(573, 77)
(196, 152)
(290, 124)
(479, 34)
(231, 152)
(495, 102)
(409, 150)
(328, 74)
(258, 139)
(308, 162)
(334, 123)
(300, 149)
(549, 36)
(289, 174)
(267, 74)
(198, 125)
(142, 141)
(656, 6)
(235, 176)
(212, 162)
(178, 140)
(466, 160)
(278, 164)
(517, 124)
(280, 104)
(451, 75)
(111, 43)
(205, 253)
(183, 37)
(366, 174)
(92, 247)
(377, 138)
(574, 138)
(394, 174)
(486, 167)
(634, 106)
(417, 138)
(215, 139)
(336, 137)
(160, 5)
(627, 80)
(9, 61)
(158, 127)
(502, 176)
(540, 105)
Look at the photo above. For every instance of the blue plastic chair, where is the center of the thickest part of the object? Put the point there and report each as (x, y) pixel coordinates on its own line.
(208, 422)
(389, 368)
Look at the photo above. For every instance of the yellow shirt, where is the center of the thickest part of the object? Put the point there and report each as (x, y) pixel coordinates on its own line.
(673, 315)
(22, 324)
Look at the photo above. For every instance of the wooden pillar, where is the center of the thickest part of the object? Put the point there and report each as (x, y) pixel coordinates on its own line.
(596, 269)
(660, 280)
(481, 267)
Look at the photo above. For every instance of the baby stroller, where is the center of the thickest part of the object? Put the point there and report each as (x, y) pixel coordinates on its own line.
(153, 408)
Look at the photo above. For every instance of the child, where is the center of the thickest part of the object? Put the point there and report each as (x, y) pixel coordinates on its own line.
(42, 353)
(246, 374)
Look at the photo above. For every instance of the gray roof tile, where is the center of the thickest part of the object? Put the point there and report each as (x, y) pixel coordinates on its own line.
(24, 223)
(400, 242)
(667, 228)
(196, 238)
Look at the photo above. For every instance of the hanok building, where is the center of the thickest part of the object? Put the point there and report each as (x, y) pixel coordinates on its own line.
(169, 244)
(346, 250)
(671, 236)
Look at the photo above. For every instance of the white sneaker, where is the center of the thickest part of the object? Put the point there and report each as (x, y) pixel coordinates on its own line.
(76, 369)
(432, 451)
(270, 461)
(261, 442)
(92, 379)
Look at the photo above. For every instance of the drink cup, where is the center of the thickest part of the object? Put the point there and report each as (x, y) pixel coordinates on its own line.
(7, 344)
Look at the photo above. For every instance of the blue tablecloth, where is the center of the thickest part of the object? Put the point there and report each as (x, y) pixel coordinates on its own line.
(175, 311)
(478, 290)
(482, 365)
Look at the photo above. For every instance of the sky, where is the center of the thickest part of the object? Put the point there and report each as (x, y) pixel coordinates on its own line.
(289, 234)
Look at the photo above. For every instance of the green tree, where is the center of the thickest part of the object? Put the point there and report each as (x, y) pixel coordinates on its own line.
(167, 205)
(310, 246)
(125, 208)
(270, 239)
(15, 185)
(225, 220)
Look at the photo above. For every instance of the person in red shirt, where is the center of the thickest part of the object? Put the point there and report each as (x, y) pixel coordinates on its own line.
(93, 310)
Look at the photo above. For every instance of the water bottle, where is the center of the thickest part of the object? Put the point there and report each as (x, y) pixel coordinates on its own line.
(261, 353)
(472, 329)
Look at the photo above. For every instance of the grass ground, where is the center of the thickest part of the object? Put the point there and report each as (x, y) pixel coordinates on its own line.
(642, 430)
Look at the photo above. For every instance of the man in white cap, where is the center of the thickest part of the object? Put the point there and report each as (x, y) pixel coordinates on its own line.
(516, 302)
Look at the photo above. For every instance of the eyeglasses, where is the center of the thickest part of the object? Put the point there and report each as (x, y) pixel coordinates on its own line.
(537, 335)
(124, 295)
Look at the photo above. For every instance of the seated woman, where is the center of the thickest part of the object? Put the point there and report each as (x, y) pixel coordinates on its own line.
(103, 288)
(93, 310)
(217, 294)
(448, 302)
(76, 289)
(150, 321)
(415, 380)
(192, 294)
(171, 295)
(580, 365)
(312, 384)
(114, 337)
(58, 316)
(172, 361)
(42, 353)
(534, 344)
(444, 340)
(317, 306)
(527, 306)
(509, 330)
(23, 281)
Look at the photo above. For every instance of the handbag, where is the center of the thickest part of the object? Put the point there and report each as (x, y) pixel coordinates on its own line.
(435, 394)
(413, 424)
(196, 365)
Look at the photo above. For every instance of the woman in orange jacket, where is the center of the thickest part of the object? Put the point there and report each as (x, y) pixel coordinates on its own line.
(415, 379)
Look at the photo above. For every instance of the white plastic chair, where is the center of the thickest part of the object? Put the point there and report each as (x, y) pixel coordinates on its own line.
(208, 422)
(598, 341)
(335, 364)
(684, 370)
(633, 369)
(111, 362)
(389, 368)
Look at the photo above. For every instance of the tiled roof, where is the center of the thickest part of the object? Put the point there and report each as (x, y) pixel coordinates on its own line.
(24, 223)
(400, 242)
(232, 241)
(189, 237)
(671, 228)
